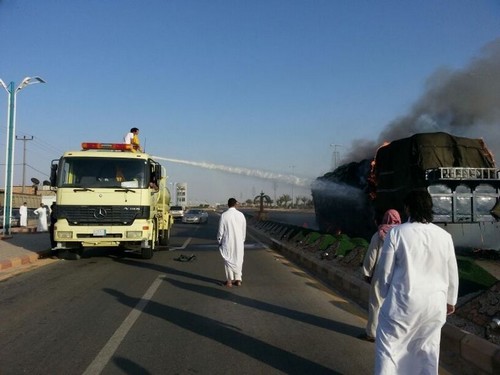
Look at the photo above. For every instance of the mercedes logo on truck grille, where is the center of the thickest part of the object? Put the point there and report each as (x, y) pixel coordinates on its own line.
(100, 213)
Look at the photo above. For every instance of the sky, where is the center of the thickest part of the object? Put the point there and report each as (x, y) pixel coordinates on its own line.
(236, 97)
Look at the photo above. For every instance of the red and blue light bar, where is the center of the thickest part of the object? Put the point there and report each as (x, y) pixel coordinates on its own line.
(106, 146)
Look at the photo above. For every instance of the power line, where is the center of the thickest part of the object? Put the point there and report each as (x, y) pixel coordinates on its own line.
(31, 167)
(37, 170)
(47, 146)
(40, 150)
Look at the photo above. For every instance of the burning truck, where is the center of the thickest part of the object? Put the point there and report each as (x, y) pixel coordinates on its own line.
(459, 173)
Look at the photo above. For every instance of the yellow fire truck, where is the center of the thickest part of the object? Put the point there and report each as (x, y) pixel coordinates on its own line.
(109, 195)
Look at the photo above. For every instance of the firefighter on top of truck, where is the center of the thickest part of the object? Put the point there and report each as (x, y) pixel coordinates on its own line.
(132, 138)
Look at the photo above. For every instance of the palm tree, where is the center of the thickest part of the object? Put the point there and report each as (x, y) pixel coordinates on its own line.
(285, 198)
(304, 200)
(261, 198)
(297, 200)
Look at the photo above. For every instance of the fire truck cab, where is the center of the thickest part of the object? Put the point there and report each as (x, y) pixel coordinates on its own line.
(109, 195)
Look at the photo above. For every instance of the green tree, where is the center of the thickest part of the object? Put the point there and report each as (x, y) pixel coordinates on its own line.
(261, 198)
(303, 199)
(284, 199)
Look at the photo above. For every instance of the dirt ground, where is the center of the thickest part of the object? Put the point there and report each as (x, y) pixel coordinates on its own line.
(477, 313)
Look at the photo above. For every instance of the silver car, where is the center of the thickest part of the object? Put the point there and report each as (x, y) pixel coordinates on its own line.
(15, 218)
(195, 216)
(177, 212)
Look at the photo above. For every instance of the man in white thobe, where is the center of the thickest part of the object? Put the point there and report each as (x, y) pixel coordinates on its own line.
(390, 220)
(231, 237)
(41, 213)
(23, 215)
(418, 277)
(128, 137)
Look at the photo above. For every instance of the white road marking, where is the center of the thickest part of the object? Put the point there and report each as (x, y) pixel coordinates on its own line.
(102, 359)
(183, 245)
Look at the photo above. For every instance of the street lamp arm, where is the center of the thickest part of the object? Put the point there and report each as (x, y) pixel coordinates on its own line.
(29, 81)
(4, 86)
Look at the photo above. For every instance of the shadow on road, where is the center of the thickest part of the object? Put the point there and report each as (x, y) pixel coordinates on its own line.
(227, 335)
(249, 302)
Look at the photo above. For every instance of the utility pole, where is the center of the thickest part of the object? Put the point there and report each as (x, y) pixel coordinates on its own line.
(24, 139)
(293, 167)
(335, 156)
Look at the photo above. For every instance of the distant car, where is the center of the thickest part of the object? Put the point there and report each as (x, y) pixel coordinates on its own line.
(14, 218)
(177, 212)
(195, 216)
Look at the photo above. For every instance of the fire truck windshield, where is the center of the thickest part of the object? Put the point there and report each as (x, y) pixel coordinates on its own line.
(90, 172)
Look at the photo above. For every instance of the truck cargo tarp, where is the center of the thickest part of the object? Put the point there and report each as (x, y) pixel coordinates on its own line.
(400, 166)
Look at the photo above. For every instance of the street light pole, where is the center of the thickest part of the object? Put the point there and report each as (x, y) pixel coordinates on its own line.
(9, 149)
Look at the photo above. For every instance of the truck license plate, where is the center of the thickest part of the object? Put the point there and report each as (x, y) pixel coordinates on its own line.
(99, 232)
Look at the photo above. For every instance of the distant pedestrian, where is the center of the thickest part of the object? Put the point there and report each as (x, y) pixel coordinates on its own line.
(231, 237)
(23, 215)
(41, 213)
(53, 220)
(391, 219)
(418, 277)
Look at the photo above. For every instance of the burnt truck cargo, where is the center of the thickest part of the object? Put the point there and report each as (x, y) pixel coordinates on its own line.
(459, 173)
(342, 202)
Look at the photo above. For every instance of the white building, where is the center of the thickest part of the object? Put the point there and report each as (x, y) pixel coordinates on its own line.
(181, 194)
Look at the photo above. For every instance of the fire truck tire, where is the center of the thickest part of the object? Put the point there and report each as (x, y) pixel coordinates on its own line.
(71, 254)
(164, 237)
(147, 252)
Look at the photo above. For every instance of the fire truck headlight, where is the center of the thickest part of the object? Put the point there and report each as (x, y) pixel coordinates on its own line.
(64, 234)
(134, 234)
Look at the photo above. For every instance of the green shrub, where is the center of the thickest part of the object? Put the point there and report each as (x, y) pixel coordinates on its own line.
(468, 270)
(327, 241)
(312, 237)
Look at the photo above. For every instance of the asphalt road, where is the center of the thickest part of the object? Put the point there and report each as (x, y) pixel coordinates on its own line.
(118, 314)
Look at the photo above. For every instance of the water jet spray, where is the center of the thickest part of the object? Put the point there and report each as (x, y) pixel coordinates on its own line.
(289, 179)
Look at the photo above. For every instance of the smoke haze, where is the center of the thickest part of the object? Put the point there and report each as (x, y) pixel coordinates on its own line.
(463, 103)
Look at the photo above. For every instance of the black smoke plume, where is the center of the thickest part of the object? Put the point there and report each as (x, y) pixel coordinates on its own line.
(462, 102)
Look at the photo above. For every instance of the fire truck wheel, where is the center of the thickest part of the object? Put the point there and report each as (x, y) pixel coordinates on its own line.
(164, 237)
(147, 252)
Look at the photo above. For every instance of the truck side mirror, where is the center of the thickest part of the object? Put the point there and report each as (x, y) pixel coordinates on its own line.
(155, 173)
(53, 174)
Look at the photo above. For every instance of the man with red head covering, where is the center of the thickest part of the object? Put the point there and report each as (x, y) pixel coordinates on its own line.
(390, 220)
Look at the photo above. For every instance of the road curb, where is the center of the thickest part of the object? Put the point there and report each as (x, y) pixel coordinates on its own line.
(18, 261)
(16, 253)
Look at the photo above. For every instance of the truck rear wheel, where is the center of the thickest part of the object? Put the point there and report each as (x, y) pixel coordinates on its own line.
(147, 252)
(164, 237)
